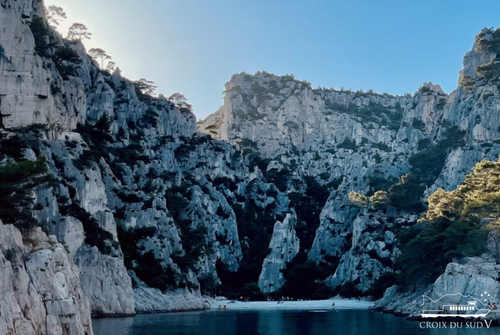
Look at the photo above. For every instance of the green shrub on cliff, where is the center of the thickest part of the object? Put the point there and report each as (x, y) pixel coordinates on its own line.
(379, 200)
(491, 44)
(428, 163)
(489, 70)
(357, 199)
(406, 194)
(451, 226)
(66, 61)
(17, 182)
(377, 289)
(305, 279)
(348, 144)
(41, 35)
(2, 54)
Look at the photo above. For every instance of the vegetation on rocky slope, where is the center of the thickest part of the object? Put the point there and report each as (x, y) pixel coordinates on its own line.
(175, 195)
(19, 177)
(18, 180)
(455, 225)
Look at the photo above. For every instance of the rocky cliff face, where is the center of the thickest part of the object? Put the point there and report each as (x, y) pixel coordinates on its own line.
(30, 83)
(136, 199)
(363, 142)
(471, 277)
(284, 246)
(40, 286)
(154, 213)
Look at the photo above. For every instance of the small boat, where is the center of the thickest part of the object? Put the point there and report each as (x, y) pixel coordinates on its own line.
(225, 308)
(462, 311)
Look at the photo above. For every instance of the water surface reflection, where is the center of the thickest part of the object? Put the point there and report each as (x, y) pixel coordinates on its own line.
(268, 322)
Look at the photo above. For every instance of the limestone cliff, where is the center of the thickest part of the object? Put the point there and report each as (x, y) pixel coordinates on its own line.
(154, 213)
(364, 142)
(31, 90)
(470, 277)
(39, 285)
(136, 197)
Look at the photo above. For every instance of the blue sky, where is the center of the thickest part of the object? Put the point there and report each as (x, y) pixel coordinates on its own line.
(194, 46)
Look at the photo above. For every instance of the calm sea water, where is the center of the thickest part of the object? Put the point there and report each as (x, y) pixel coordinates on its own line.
(268, 322)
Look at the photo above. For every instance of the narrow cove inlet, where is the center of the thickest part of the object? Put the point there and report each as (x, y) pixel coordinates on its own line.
(276, 207)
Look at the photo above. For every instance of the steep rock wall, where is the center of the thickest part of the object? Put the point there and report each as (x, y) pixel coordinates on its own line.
(40, 287)
(363, 142)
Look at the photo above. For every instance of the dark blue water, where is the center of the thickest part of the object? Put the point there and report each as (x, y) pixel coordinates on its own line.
(267, 322)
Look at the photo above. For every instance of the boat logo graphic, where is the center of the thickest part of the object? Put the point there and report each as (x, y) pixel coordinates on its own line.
(475, 308)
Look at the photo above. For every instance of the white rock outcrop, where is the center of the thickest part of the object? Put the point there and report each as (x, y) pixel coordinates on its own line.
(40, 287)
(472, 278)
(30, 92)
(149, 300)
(105, 281)
(284, 246)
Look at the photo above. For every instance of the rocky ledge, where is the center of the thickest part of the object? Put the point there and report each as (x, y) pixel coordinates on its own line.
(462, 281)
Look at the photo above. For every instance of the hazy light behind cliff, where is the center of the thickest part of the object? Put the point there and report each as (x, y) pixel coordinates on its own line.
(194, 46)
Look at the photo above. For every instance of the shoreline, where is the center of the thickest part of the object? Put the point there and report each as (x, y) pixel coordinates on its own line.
(294, 305)
(164, 311)
(261, 306)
